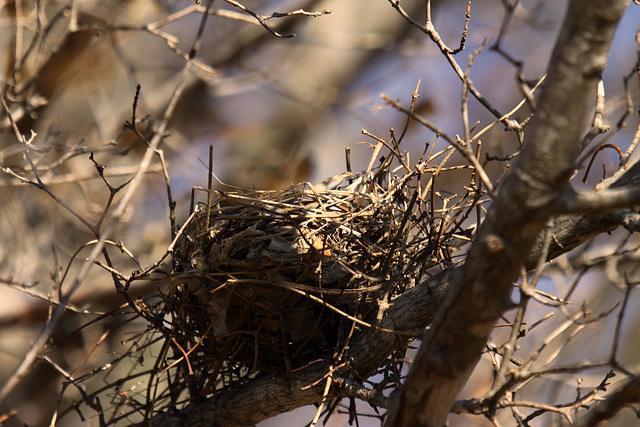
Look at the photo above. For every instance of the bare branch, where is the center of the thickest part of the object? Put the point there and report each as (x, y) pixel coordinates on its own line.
(618, 400)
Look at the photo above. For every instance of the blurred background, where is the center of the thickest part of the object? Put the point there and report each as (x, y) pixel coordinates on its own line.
(276, 110)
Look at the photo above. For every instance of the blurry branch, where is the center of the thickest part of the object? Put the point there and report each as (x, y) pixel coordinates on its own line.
(112, 214)
(84, 27)
(29, 289)
(26, 143)
(601, 201)
(101, 235)
(262, 19)
(114, 172)
(172, 41)
(523, 83)
(253, 17)
(481, 292)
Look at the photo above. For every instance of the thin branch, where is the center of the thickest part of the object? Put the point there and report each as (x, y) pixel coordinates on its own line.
(464, 150)
(430, 31)
(614, 403)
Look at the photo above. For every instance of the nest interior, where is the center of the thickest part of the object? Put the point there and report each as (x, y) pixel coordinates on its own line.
(268, 281)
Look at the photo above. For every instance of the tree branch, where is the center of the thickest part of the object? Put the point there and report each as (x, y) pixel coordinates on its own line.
(601, 201)
(452, 347)
(621, 398)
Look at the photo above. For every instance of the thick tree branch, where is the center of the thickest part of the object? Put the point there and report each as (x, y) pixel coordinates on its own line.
(601, 201)
(570, 231)
(452, 347)
(616, 192)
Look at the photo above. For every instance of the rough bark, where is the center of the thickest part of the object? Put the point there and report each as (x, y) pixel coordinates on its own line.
(527, 199)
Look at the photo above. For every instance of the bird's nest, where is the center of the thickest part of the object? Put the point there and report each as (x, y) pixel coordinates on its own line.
(270, 281)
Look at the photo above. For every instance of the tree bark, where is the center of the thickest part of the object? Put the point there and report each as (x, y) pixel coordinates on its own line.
(529, 196)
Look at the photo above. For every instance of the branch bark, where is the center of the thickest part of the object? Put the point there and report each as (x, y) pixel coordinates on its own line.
(452, 347)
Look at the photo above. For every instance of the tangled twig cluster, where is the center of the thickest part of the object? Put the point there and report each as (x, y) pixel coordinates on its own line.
(271, 281)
